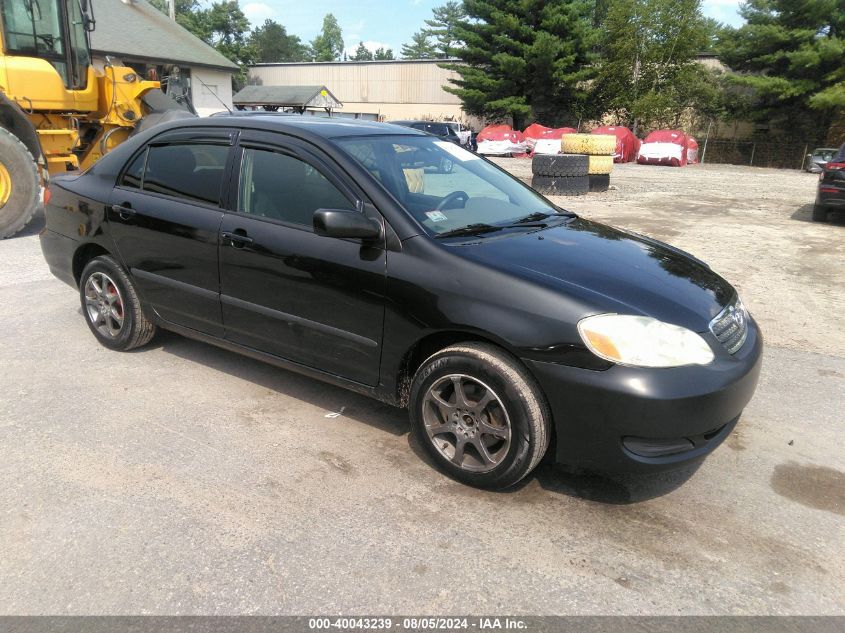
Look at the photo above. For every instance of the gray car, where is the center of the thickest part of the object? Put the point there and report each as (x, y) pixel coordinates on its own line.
(818, 159)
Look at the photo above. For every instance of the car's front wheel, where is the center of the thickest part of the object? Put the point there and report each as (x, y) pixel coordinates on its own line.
(480, 415)
(111, 306)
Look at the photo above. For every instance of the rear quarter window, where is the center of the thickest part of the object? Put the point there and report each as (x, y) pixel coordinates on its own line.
(190, 171)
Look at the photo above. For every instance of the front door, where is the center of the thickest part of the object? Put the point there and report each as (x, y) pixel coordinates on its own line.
(165, 218)
(285, 290)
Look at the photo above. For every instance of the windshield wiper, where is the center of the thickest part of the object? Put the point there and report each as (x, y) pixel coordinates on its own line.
(471, 229)
(533, 217)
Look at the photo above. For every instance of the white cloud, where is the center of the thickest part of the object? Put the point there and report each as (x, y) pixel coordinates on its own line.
(257, 12)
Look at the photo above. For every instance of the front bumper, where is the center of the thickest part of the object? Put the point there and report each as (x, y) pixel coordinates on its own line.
(631, 419)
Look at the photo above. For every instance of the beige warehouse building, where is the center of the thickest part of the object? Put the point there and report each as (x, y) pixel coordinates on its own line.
(379, 90)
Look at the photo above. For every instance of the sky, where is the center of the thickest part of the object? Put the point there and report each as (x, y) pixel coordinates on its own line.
(387, 23)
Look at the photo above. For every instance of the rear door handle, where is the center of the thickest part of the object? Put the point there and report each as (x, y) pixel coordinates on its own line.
(124, 212)
(236, 239)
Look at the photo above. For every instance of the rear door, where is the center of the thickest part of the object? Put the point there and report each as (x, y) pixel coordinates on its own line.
(165, 218)
(317, 301)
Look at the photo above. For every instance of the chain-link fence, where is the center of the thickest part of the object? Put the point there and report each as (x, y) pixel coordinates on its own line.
(781, 153)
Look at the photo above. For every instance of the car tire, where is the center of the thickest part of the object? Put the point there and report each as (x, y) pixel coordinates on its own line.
(819, 213)
(446, 166)
(560, 164)
(561, 185)
(599, 182)
(502, 423)
(20, 188)
(111, 306)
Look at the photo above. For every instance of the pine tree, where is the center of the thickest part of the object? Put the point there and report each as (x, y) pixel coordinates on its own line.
(790, 60)
(362, 54)
(419, 48)
(524, 59)
(443, 27)
(383, 54)
(328, 45)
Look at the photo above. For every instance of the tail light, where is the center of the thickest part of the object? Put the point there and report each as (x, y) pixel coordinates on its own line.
(47, 195)
(835, 166)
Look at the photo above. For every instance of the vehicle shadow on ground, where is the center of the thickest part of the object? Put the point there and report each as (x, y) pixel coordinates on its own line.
(286, 383)
(552, 478)
(804, 213)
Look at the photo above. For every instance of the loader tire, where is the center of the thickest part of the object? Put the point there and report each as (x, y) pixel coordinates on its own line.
(599, 183)
(561, 185)
(593, 144)
(19, 186)
(600, 165)
(560, 164)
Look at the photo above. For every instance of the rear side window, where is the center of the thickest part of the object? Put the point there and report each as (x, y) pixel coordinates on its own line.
(191, 171)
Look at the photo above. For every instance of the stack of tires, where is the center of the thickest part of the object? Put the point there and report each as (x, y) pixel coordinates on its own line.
(561, 174)
(599, 149)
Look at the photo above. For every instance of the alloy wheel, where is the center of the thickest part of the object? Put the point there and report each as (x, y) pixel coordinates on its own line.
(104, 304)
(467, 422)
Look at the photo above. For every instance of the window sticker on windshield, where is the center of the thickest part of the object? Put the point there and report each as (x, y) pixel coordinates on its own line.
(435, 216)
(458, 152)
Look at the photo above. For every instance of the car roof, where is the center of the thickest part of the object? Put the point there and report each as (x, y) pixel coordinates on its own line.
(306, 126)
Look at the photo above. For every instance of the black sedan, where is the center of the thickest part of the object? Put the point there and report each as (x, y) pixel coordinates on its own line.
(831, 191)
(509, 327)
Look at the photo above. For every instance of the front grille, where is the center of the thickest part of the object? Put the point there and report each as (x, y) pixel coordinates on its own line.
(731, 326)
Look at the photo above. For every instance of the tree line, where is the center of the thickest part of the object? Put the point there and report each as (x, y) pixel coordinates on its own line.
(637, 61)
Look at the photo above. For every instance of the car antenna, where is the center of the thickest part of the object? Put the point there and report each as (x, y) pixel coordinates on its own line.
(223, 103)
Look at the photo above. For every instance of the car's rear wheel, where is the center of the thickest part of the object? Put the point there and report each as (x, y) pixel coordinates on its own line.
(480, 415)
(111, 306)
(819, 213)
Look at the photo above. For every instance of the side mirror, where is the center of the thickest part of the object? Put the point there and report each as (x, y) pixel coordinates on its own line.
(343, 223)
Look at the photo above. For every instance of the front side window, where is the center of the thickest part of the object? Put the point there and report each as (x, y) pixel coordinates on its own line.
(34, 27)
(281, 187)
(191, 170)
(443, 186)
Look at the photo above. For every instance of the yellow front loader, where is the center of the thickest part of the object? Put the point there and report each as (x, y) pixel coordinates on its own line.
(57, 112)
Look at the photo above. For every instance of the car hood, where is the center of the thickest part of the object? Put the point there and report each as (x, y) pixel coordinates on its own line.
(610, 270)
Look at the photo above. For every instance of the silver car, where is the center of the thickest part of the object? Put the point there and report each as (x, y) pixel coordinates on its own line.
(818, 159)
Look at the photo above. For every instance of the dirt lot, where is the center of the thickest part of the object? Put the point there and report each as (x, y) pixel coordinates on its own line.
(183, 479)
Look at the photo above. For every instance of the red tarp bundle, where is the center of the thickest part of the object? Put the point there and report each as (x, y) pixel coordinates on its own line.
(664, 147)
(500, 139)
(627, 145)
(536, 132)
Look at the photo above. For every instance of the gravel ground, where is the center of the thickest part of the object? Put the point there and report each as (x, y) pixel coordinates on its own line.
(183, 479)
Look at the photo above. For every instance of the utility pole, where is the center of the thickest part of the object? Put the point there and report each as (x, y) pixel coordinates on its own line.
(172, 8)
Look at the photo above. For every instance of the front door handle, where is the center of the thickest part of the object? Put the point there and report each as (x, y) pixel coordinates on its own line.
(124, 212)
(237, 240)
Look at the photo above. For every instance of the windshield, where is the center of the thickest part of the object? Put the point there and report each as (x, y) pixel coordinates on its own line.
(445, 187)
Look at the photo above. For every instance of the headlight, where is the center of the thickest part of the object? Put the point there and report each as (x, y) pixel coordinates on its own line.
(643, 341)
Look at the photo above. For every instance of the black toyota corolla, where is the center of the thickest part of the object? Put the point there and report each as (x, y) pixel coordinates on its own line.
(509, 327)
